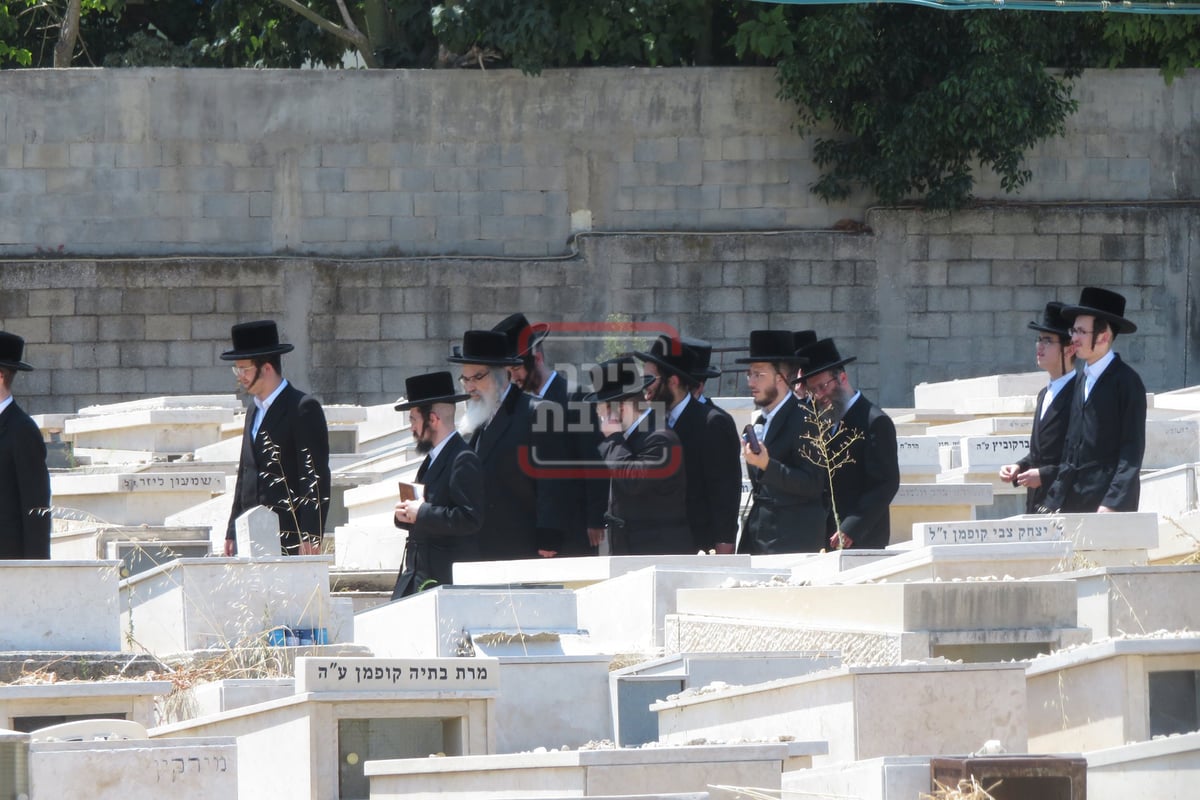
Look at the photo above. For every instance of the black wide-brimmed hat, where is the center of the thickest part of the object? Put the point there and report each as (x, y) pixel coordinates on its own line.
(1108, 306)
(425, 390)
(615, 380)
(1053, 321)
(702, 368)
(255, 340)
(672, 354)
(522, 335)
(802, 339)
(772, 346)
(12, 350)
(822, 355)
(489, 348)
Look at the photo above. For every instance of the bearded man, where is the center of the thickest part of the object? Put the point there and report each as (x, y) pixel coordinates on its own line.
(523, 517)
(865, 482)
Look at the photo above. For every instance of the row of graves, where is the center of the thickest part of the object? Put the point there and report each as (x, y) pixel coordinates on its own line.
(983, 651)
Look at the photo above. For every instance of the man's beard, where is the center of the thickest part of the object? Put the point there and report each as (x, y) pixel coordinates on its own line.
(479, 410)
(769, 396)
(838, 403)
(424, 446)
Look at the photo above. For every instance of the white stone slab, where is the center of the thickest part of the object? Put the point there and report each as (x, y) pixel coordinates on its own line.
(169, 402)
(888, 778)
(258, 533)
(212, 514)
(1170, 492)
(214, 697)
(101, 541)
(530, 709)
(198, 603)
(440, 622)
(182, 769)
(1021, 405)
(344, 674)
(985, 426)
(226, 451)
(1115, 601)
(168, 431)
(582, 571)
(958, 393)
(60, 605)
(377, 548)
(950, 562)
(134, 498)
(373, 505)
(863, 712)
(132, 700)
(1185, 399)
(932, 502)
(1135, 530)
(824, 568)
(1163, 768)
(1171, 442)
(981, 453)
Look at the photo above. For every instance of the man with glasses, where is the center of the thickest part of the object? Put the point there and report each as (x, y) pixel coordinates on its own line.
(1056, 355)
(787, 513)
(866, 476)
(523, 516)
(1106, 437)
(285, 447)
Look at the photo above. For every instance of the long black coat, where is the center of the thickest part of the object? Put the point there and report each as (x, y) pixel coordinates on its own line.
(582, 492)
(788, 513)
(447, 522)
(712, 454)
(648, 494)
(522, 513)
(286, 468)
(24, 487)
(1106, 439)
(864, 488)
(1046, 443)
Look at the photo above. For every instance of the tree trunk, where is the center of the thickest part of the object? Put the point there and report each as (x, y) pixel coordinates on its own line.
(68, 35)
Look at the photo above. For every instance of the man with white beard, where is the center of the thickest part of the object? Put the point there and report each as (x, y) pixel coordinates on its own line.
(521, 518)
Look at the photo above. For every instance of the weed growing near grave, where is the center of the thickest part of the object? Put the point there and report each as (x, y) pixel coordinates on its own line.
(966, 789)
(299, 505)
(829, 450)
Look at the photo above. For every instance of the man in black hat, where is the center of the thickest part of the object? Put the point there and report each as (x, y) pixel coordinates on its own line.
(802, 339)
(442, 524)
(24, 479)
(787, 512)
(523, 516)
(570, 423)
(285, 447)
(1106, 437)
(711, 449)
(866, 476)
(1056, 355)
(647, 510)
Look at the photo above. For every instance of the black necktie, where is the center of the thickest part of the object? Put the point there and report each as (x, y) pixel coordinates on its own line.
(761, 420)
(424, 468)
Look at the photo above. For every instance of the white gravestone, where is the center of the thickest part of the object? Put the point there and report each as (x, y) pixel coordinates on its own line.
(918, 458)
(258, 534)
(989, 453)
(396, 674)
(1170, 442)
(134, 498)
(135, 769)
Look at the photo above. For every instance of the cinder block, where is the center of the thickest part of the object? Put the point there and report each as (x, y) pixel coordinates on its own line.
(501, 228)
(51, 302)
(261, 204)
(206, 179)
(45, 155)
(477, 154)
(412, 229)
(221, 206)
(992, 247)
(191, 354)
(725, 172)
(254, 179)
(343, 155)
(136, 353)
(140, 154)
(929, 326)
(1121, 247)
(368, 229)
(346, 204)
(475, 204)
(322, 229)
(389, 154)
(169, 380)
(1035, 247)
(435, 204)
(1078, 247)
(678, 173)
(193, 301)
(945, 299)
(990, 298)
(67, 381)
(524, 203)
(968, 273)
(401, 327)
(356, 326)
(653, 198)
(169, 327)
(456, 179)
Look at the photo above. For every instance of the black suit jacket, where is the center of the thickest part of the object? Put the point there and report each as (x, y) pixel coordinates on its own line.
(1106, 439)
(864, 488)
(648, 494)
(286, 468)
(24, 487)
(1046, 443)
(522, 513)
(583, 496)
(788, 513)
(712, 455)
(447, 522)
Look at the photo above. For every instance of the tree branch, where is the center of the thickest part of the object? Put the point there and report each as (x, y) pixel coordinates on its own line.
(350, 34)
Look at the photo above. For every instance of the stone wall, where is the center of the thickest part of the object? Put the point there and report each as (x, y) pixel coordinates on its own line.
(919, 297)
(166, 162)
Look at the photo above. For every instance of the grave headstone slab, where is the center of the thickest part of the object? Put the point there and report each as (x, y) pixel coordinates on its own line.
(982, 453)
(132, 769)
(396, 674)
(1171, 442)
(258, 534)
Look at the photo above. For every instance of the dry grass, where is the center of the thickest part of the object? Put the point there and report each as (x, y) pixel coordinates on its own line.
(966, 789)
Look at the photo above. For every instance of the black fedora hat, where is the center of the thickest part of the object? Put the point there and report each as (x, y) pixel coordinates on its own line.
(258, 339)
(823, 355)
(425, 390)
(1053, 321)
(489, 348)
(772, 346)
(671, 353)
(615, 380)
(702, 368)
(1096, 302)
(522, 335)
(802, 339)
(12, 350)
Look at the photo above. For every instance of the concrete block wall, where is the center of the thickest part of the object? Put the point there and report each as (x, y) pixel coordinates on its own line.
(919, 297)
(168, 162)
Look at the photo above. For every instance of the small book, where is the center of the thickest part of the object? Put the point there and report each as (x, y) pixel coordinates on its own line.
(411, 491)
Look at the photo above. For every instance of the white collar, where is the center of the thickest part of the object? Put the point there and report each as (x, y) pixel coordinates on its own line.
(542, 391)
(439, 447)
(677, 410)
(5, 403)
(1094, 371)
(770, 415)
(264, 405)
(1058, 383)
(629, 431)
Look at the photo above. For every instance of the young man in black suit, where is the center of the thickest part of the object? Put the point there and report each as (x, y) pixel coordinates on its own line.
(864, 485)
(711, 448)
(442, 524)
(24, 479)
(647, 508)
(787, 512)
(1056, 355)
(524, 516)
(285, 447)
(1106, 437)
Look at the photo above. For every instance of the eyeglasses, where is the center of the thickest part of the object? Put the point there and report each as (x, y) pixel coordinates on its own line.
(1046, 341)
(752, 375)
(822, 386)
(1079, 332)
(469, 380)
(240, 371)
